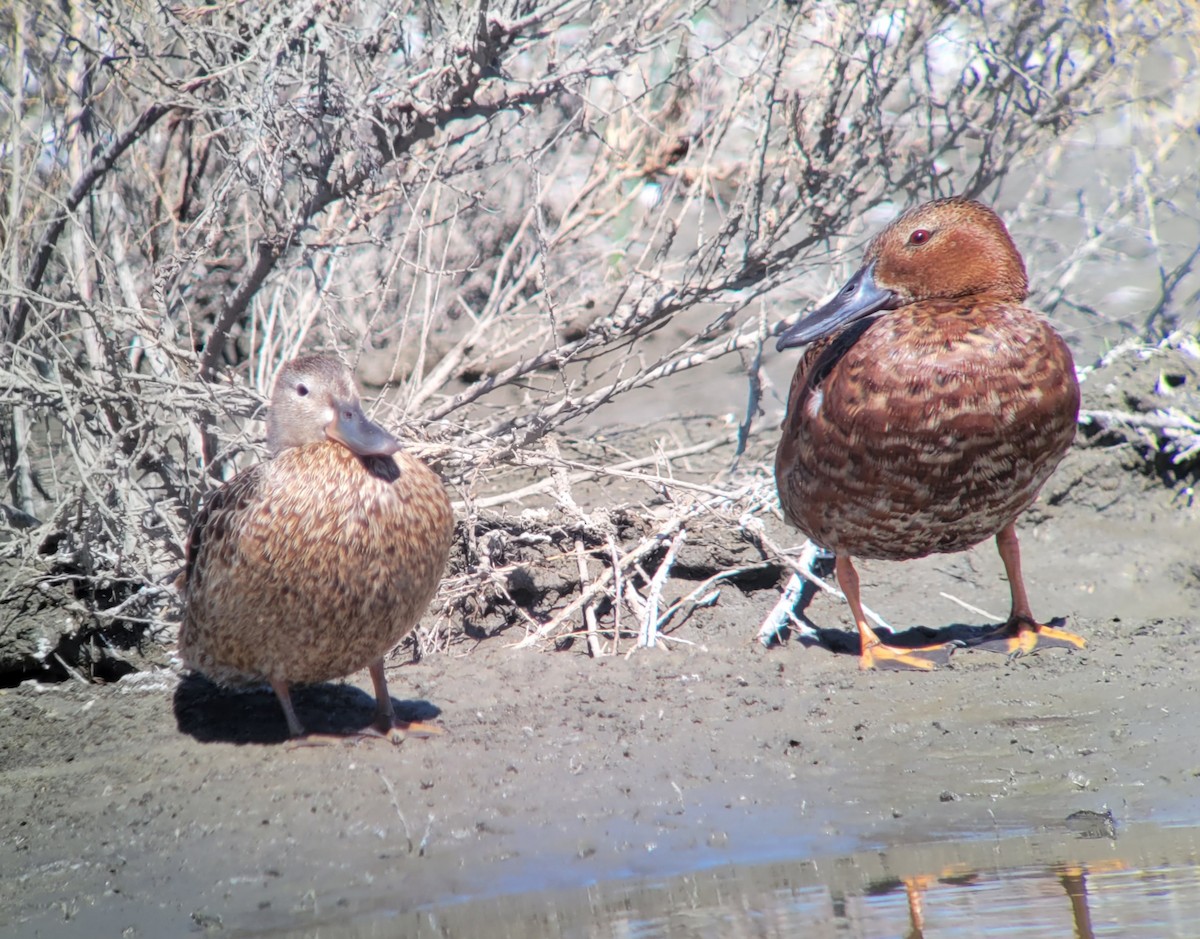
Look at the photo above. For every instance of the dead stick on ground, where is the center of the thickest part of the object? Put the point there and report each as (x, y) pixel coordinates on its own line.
(589, 611)
(599, 584)
(754, 528)
(1155, 421)
(974, 609)
(650, 621)
(707, 593)
(645, 547)
(618, 586)
(396, 805)
(562, 485)
(70, 671)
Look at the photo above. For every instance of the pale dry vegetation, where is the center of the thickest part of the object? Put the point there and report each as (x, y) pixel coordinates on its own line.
(509, 215)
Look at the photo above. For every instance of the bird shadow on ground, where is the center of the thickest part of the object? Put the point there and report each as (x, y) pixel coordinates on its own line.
(846, 642)
(214, 714)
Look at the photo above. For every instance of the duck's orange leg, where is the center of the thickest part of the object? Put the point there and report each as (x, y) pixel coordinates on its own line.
(385, 715)
(284, 694)
(1074, 881)
(1022, 633)
(875, 654)
(914, 888)
(386, 725)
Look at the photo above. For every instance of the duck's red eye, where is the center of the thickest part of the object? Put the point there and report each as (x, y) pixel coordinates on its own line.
(919, 237)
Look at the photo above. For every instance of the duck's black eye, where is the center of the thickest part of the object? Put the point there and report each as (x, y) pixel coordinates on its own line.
(919, 237)
(302, 390)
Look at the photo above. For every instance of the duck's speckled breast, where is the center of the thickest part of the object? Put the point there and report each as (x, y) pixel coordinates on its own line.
(310, 566)
(925, 430)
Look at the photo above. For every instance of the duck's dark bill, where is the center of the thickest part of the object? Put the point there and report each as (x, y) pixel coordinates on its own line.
(858, 298)
(354, 430)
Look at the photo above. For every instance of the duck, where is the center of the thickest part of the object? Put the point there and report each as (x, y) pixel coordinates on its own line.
(315, 563)
(928, 408)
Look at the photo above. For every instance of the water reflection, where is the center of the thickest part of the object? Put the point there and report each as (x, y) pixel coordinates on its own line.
(1146, 884)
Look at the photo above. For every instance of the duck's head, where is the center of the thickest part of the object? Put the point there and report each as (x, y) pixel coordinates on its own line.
(315, 399)
(947, 249)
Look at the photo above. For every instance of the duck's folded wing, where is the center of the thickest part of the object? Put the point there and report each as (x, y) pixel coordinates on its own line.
(223, 512)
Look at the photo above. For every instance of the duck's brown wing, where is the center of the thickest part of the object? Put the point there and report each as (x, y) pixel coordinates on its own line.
(213, 536)
(816, 363)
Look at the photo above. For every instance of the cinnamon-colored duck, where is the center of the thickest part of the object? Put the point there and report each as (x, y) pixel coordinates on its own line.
(316, 563)
(926, 413)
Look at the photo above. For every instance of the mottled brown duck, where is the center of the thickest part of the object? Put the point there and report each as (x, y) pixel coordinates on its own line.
(926, 413)
(317, 562)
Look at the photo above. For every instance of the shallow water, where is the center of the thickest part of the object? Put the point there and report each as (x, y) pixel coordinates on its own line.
(1142, 882)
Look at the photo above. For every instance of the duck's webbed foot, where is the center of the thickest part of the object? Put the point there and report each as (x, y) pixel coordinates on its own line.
(397, 731)
(1022, 635)
(881, 656)
(387, 725)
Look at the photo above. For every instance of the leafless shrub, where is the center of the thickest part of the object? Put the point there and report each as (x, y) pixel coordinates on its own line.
(1160, 420)
(496, 210)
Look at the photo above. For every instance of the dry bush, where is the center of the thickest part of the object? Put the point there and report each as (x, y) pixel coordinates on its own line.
(494, 211)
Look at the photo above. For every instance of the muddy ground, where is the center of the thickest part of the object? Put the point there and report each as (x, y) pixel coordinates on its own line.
(156, 805)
